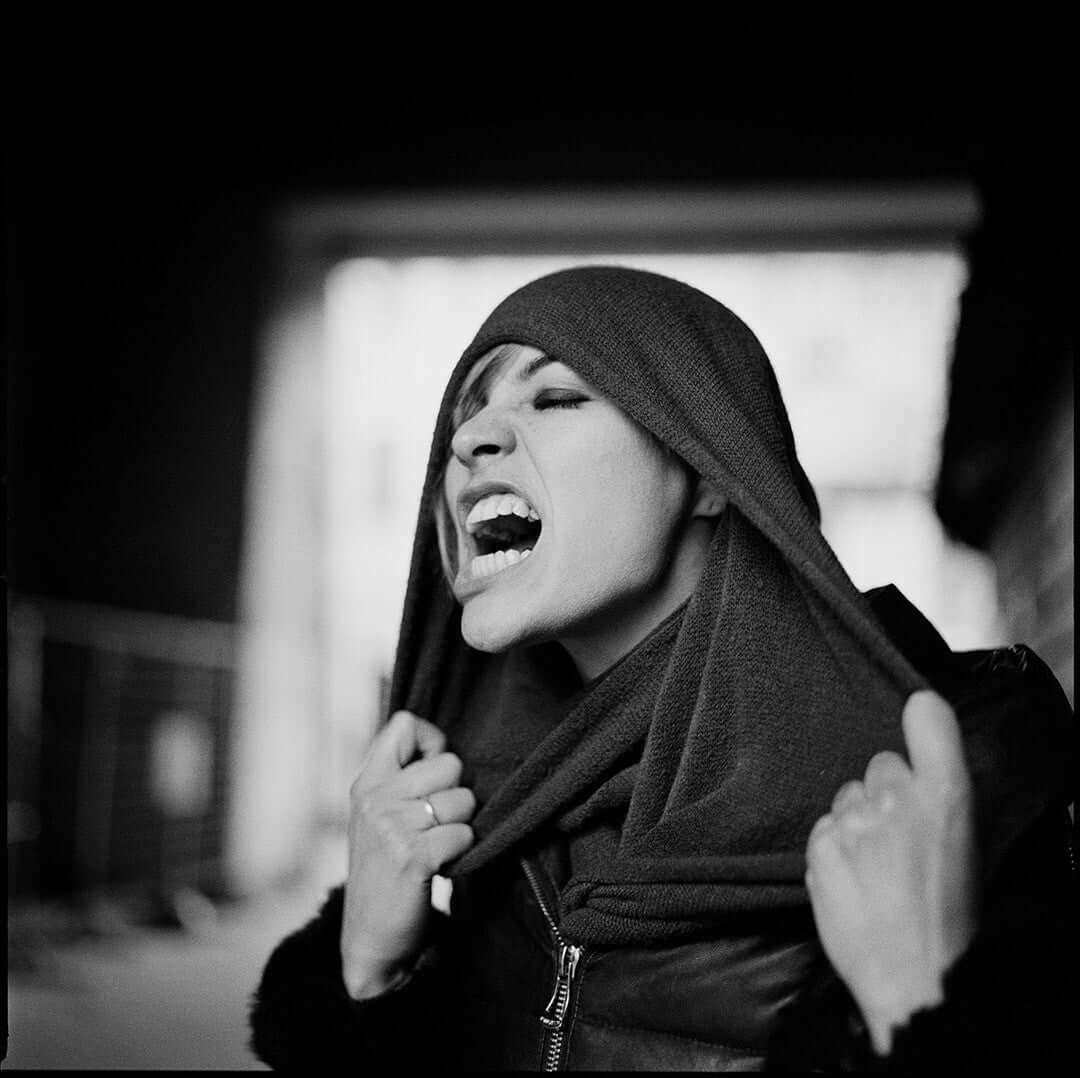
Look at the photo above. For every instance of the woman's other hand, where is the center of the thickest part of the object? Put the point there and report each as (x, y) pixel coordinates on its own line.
(890, 871)
(407, 819)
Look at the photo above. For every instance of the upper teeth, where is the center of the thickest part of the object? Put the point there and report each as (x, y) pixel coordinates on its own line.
(499, 505)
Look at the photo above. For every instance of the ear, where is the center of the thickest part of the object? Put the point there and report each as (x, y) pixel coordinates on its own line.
(708, 501)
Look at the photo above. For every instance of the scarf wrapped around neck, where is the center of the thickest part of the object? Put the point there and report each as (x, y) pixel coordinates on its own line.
(684, 780)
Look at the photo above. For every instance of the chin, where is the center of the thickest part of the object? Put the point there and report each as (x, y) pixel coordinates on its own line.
(492, 634)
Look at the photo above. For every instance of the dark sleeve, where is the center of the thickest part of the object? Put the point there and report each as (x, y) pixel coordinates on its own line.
(302, 1017)
(1010, 1000)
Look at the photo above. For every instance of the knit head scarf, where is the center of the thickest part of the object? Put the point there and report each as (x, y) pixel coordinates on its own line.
(686, 779)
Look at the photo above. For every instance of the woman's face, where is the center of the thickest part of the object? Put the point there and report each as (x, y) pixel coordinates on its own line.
(570, 521)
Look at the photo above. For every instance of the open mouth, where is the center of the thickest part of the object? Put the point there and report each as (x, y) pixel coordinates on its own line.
(504, 528)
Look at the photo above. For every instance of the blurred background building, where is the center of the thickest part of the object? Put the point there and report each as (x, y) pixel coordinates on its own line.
(228, 337)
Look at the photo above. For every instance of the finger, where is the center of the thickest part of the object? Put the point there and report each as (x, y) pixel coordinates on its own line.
(850, 797)
(430, 740)
(443, 844)
(393, 747)
(934, 743)
(821, 826)
(403, 737)
(450, 806)
(425, 777)
(886, 774)
(823, 854)
(821, 834)
(855, 822)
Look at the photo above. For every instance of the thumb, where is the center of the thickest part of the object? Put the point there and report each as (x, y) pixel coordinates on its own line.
(399, 740)
(430, 740)
(934, 743)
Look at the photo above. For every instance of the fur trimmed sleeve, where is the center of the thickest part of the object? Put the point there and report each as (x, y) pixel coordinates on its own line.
(302, 1017)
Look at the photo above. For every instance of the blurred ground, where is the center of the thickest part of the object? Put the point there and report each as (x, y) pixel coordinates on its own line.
(132, 997)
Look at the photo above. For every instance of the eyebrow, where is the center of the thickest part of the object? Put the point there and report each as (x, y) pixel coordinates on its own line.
(533, 366)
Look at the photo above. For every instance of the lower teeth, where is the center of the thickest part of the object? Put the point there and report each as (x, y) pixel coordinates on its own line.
(488, 564)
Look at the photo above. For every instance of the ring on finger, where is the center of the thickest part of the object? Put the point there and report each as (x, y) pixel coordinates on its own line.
(430, 811)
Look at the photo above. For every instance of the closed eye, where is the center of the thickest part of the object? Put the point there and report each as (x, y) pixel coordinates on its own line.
(558, 399)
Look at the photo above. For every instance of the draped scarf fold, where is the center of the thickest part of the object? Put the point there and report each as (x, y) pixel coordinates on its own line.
(685, 780)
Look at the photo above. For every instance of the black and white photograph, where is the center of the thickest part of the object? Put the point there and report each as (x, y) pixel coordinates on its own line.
(512, 572)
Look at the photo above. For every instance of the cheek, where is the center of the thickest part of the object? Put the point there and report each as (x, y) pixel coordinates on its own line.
(453, 482)
(632, 497)
(446, 525)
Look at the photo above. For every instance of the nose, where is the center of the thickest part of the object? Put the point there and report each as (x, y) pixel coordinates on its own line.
(486, 434)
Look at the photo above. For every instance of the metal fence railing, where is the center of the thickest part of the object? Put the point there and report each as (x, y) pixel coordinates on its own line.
(117, 742)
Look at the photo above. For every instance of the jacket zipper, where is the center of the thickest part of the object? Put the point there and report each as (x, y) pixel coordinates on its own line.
(567, 958)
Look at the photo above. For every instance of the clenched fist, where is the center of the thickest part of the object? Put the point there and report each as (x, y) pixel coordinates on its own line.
(890, 871)
(407, 819)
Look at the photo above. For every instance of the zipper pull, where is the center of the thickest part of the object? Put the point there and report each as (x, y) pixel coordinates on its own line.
(555, 1011)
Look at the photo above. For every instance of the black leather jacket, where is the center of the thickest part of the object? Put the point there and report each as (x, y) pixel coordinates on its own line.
(498, 987)
(529, 999)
